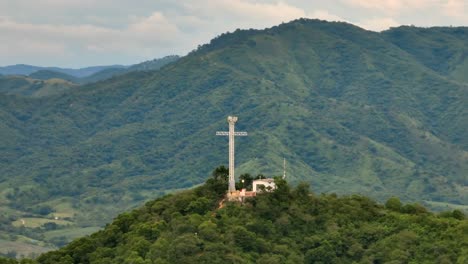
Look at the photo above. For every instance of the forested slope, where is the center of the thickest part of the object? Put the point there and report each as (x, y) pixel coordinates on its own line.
(285, 226)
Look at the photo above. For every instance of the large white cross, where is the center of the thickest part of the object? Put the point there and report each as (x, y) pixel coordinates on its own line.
(232, 121)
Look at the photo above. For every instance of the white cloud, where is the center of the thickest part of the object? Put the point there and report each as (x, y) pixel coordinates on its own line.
(260, 11)
(85, 32)
(456, 8)
(148, 34)
(176, 28)
(155, 28)
(325, 15)
(380, 14)
(227, 15)
(378, 24)
(391, 6)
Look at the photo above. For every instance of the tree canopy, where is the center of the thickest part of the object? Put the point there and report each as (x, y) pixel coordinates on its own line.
(287, 225)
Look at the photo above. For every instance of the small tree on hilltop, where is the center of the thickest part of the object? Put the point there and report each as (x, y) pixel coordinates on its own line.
(393, 204)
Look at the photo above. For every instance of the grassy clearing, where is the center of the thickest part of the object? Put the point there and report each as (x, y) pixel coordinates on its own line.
(440, 206)
(71, 233)
(63, 208)
(22, 248)
(33, 222)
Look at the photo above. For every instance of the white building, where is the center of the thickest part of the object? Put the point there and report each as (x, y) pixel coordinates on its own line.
(269, 184)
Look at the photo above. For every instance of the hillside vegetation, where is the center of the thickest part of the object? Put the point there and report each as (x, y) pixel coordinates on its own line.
(34, 87)
(442, 49)
(48, 74)
(352, 111)
(288, 225)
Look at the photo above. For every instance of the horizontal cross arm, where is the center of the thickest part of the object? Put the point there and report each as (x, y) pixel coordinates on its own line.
(225, 133)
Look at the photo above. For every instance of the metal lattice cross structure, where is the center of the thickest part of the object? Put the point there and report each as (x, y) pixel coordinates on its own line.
(232, 121)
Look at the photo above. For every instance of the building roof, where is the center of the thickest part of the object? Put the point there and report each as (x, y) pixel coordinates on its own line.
(268, 180)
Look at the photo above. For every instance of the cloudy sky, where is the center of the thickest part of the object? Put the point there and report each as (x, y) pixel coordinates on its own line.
(77, 33)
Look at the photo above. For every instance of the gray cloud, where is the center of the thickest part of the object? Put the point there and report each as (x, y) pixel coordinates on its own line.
(78, 33)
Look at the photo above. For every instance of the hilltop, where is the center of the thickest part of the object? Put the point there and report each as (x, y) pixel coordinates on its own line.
(352, 111)
(287, 225)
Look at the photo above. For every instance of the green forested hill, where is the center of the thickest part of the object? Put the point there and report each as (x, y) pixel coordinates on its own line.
(352, 111)
(34, 87)
(48, 74)
(442, 49)
(285, 226)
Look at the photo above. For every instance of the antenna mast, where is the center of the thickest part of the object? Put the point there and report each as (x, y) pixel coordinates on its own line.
(284, 168)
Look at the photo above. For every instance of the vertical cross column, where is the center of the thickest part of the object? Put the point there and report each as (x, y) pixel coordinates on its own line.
(232, 182)
(231, 134)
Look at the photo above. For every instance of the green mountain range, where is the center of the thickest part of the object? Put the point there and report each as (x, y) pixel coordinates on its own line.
(352, 111)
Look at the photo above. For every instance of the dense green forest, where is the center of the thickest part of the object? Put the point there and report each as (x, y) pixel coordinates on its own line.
(352, 111)
(287, 225)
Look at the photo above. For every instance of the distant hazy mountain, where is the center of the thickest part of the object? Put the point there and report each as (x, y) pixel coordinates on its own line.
(153, 64)
(150, 65)
(22, 69)
(352, 111)
(27, 86)
(85, 75)
(48, 74)
(103, 75)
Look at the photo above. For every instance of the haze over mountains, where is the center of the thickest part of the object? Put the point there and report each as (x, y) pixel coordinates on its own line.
(352, 111)
(24, 69)
(82, 75)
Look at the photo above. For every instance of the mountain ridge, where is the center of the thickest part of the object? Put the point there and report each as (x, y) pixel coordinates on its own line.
(295, 98)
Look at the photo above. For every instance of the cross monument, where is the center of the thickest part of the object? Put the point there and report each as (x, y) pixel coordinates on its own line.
(232, 121)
